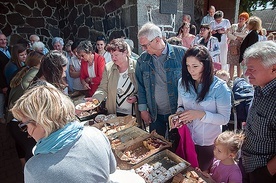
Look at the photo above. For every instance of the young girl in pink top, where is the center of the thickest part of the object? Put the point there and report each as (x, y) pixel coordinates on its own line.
(224, 168)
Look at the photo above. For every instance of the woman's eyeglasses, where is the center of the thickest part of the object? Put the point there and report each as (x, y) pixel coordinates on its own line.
(23, 126)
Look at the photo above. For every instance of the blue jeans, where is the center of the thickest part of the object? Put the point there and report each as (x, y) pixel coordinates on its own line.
(161, 124)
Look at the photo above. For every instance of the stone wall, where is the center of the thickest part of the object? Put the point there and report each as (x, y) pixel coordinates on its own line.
(84, 19)
(74, 19)
(150, 11)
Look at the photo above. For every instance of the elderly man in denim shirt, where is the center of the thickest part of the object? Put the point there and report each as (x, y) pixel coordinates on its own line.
(157, 71)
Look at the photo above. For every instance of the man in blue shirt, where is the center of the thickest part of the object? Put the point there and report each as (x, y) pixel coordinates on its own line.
(209, 17)
(158, 70)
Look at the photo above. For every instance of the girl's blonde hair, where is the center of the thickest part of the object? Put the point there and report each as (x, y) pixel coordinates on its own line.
(47, 106)
(233, 141)
(222, 73)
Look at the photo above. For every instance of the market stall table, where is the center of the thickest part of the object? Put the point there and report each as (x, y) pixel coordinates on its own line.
(125, 137)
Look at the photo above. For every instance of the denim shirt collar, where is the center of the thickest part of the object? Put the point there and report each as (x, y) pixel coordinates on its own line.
(168, 50)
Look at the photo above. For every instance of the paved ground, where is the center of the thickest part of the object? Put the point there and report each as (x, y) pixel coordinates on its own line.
(10, 166)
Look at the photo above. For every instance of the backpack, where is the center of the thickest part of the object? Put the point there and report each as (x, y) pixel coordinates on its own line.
(243, 94)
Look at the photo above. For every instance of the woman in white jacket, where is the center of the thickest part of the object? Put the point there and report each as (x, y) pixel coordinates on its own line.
(209, 41)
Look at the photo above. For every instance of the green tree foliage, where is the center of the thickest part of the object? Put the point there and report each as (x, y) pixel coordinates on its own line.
(250, 5)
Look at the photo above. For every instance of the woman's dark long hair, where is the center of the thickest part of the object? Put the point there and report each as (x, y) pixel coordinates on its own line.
(206, 26)
(201, 53)
(181, 27)
(51, 68)
(15, 51)
(33, 59)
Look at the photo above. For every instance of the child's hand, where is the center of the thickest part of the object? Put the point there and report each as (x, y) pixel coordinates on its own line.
(204, 173)
(198, 169)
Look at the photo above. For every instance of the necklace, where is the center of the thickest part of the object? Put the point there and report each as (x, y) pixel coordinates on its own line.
(92, 62)
(120, 91)
(124, 75)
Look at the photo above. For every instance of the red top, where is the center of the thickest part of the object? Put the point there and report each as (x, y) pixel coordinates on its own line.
(99, 64)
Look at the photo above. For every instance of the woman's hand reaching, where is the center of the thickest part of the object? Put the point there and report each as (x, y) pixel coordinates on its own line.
(131, 99)
(188, 116)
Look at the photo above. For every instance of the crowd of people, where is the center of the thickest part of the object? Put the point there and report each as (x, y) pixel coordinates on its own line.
(185, 75)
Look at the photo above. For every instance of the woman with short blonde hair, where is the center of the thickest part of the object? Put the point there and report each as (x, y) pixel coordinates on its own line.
(41, 105)
(254, 25)
(63, 144)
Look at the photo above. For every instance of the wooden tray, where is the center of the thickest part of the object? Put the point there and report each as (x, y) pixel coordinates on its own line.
(116, 124)
(179, 178)
(92, 114)
(168, 160)
(125, 135)
(137, 147)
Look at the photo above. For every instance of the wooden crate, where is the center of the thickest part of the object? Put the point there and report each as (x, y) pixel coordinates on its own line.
(137, 147)
(125, 135)
(169, 160)
(116, 124)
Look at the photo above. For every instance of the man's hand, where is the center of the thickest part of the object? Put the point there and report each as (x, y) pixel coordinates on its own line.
(4, 90)
(146, 117)
(271, 166)
(131, 99)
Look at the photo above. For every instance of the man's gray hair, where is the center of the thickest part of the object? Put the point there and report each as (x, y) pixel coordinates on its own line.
(188, 16)
(150, 30)
(38, 45)
(34, 36)
(263, 50)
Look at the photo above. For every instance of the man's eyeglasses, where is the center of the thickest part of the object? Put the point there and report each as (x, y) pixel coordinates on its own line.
(23, 126)
(145, 46)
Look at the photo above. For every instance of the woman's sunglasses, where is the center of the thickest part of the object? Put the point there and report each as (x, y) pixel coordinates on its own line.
(23, 126)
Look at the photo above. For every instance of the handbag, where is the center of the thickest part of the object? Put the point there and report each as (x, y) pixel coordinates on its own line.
(234, 50)
(218, 35)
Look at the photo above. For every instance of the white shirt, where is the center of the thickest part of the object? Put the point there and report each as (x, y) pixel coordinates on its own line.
(76, 81)
(124, 89)
(107, 57)
(223, 24)
(91, 70)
